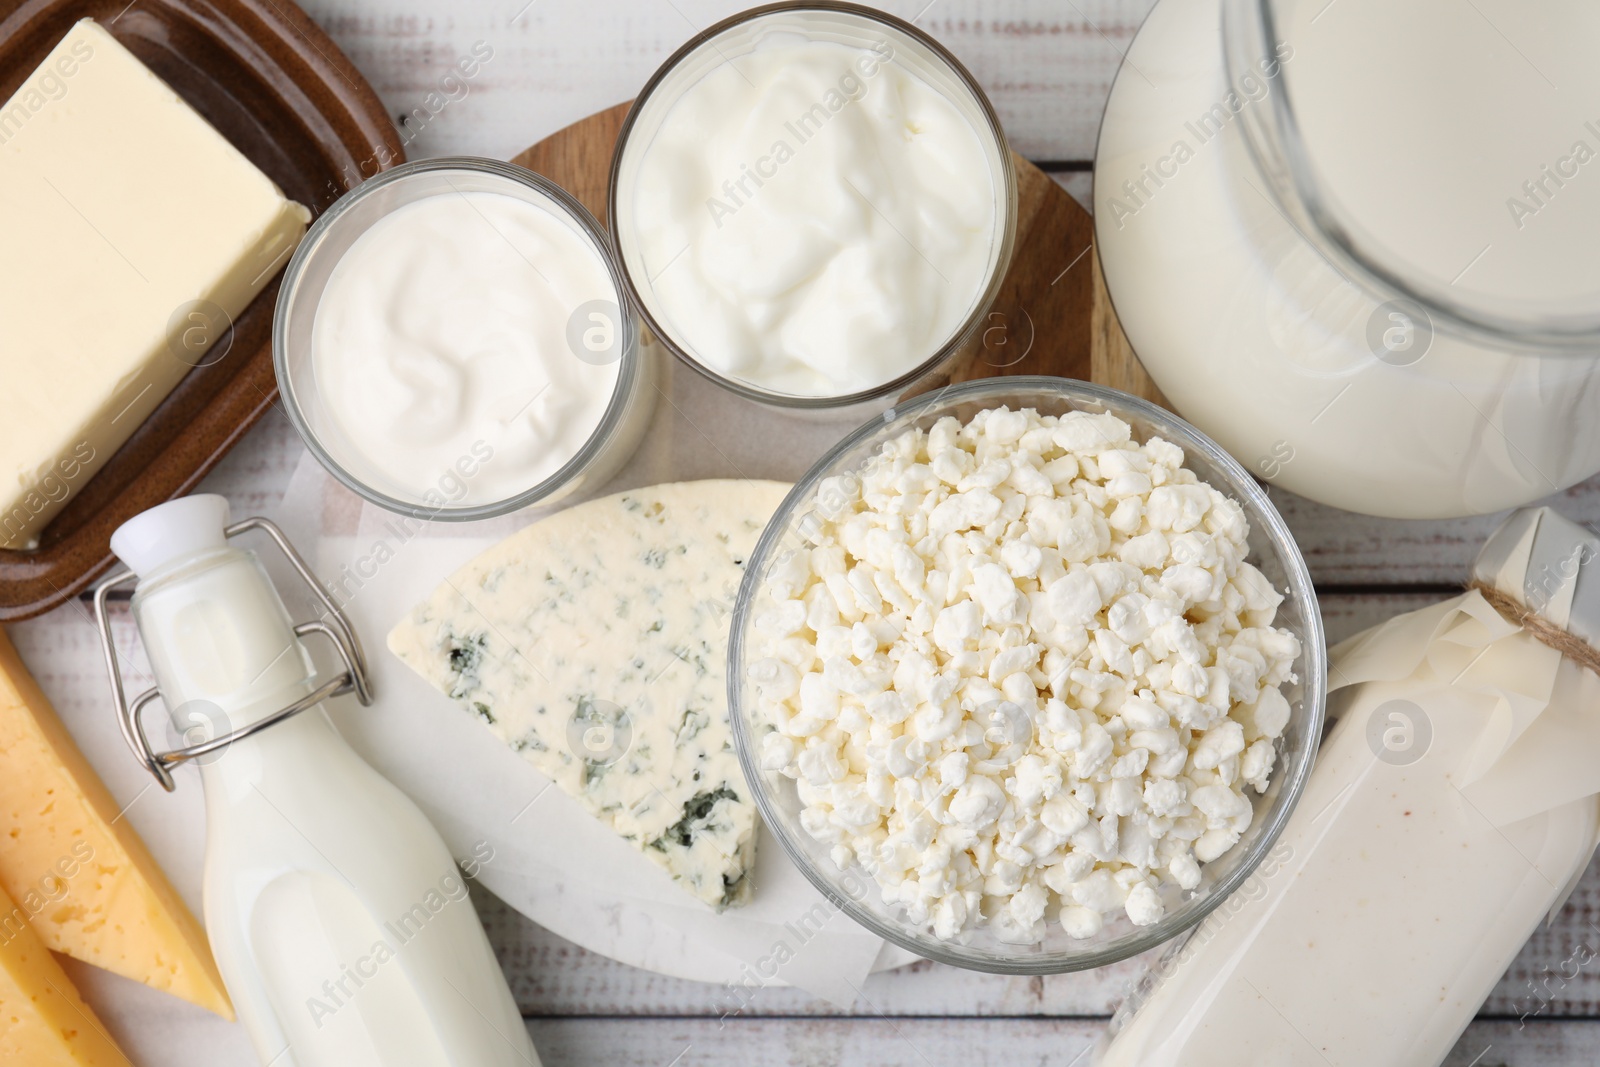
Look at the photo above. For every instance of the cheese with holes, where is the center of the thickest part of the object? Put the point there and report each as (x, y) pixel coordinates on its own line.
(76, 869)
(43, 1020)
(134, 234)
(594, 642)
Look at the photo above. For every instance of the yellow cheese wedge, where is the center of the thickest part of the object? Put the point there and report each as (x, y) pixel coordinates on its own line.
(75, 868)
(43, 1020)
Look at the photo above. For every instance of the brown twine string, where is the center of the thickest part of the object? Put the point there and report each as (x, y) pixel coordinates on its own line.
(1573, 647)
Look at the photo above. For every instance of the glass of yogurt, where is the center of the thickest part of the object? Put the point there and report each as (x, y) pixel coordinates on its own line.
(452, 342)
(813, 205)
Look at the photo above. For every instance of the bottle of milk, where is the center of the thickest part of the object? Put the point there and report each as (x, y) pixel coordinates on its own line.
(339, 920)
(1454, 806)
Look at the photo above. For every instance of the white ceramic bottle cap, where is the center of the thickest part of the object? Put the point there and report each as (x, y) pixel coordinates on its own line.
(181, 527)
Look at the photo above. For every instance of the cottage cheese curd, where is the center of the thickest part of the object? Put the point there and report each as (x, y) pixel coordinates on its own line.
(814, 218)
(1023, 671)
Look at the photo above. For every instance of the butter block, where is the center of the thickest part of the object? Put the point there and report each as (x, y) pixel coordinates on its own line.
(134, 235)
(76, 869)
(43, 1020)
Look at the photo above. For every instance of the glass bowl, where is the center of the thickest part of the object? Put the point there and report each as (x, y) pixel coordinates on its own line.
(1272, 549)
(811, 20)
(306, 279)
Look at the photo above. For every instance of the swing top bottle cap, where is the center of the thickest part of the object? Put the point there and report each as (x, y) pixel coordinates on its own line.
(178, 528)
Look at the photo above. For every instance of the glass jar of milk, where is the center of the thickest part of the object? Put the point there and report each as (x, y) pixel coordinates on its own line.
(1353, 241)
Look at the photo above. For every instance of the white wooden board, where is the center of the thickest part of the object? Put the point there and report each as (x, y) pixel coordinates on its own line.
(1048, 65)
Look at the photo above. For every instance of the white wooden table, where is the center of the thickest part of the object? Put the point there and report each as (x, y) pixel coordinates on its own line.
(1048, 65)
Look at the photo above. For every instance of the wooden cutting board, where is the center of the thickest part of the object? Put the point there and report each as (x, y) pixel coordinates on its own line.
(1053, 315)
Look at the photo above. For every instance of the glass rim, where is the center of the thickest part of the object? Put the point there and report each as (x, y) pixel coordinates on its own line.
(1262, 514)
(1276, 145)
(628, 369)
(1005, 196)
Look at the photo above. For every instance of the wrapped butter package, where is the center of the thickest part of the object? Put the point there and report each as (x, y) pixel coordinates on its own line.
(1455, 804)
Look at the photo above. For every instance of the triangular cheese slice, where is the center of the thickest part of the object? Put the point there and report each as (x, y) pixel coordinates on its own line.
(43, 1020)
(77, 871)
(594, 642)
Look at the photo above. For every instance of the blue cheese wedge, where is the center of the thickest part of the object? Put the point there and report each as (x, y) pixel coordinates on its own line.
(594, 642)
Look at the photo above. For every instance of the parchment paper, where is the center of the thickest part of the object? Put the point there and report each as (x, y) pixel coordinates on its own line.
(1538, 750)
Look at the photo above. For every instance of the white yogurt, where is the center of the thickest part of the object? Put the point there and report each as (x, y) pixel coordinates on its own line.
(443, 348)
(813, 218)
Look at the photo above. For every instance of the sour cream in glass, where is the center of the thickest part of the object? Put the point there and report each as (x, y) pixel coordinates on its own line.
(442, 336)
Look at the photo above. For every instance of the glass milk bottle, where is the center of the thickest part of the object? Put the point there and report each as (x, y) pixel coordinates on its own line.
(1353, 241)
(338, 918)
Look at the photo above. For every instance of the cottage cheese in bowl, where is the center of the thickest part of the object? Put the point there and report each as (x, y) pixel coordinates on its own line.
(1043, 677)
(813, 203)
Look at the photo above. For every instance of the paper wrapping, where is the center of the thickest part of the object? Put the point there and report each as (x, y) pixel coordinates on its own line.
(1541, 746)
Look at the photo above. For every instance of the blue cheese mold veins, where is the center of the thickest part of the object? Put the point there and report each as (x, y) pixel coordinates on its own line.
(593, 643)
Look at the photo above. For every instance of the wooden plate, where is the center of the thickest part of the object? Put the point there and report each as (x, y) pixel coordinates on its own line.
(1052, 317)
(272, 83)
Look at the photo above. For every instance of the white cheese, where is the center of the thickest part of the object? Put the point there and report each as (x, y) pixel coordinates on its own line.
(594, 642)
(1066, 678)
(134, 234)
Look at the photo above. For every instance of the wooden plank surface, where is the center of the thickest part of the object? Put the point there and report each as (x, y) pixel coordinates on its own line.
(1002, 1042)
(1342, 548)
(552, 977)
(1047, 65)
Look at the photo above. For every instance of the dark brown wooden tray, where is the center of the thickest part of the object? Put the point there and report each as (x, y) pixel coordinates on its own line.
(272, 83)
